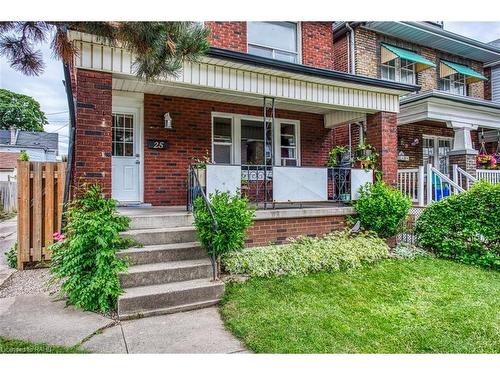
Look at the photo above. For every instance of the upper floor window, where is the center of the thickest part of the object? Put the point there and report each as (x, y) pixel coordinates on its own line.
(399, 70)
(277, 40)
(454, 83)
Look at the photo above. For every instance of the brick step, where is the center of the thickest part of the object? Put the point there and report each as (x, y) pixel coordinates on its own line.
(168, 298)
(163, 253)
(161, 236)
(168, 272)
(168, 220)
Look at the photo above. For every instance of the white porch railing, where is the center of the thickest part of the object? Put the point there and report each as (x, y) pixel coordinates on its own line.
(439, 185)
(462, 178)
(411, 183)
(488, 175)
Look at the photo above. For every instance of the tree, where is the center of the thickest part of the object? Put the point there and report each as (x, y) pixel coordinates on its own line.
(20, 111)
(160, 48)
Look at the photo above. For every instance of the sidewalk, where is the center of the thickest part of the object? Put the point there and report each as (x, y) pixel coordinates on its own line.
(37, 318)
(8, 230)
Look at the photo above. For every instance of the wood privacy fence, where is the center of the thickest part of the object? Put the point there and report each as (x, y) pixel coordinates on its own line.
(39, 212)
(8, 195)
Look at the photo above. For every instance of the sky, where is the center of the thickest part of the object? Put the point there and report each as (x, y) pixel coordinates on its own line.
(49, 91)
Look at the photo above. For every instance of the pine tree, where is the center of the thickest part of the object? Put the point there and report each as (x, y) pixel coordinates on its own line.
(159, 47)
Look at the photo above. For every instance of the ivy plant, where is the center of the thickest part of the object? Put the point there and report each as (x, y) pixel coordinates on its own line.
(85, 258)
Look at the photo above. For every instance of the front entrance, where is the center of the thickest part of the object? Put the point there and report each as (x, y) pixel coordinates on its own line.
(435, 151)
(125, 175)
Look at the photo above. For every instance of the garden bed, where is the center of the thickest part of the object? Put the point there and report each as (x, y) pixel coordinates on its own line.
(425, 305)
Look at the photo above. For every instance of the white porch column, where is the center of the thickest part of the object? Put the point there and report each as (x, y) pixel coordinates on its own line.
(463, 153)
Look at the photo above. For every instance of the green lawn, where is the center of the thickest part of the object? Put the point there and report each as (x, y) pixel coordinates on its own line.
(396, 306)
(8, 346)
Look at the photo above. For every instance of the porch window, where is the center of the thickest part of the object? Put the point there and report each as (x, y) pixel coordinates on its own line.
(277, 40)
(454, 83)
(223, 140)
(123, 135)
(252, 142)
(288, 135)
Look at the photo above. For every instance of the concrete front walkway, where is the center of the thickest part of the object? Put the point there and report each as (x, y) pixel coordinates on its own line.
(37, 318)
(8, 230)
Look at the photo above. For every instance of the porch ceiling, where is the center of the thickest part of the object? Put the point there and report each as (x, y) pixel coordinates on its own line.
(445, 107)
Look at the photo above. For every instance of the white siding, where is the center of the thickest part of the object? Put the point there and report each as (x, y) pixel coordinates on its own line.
(495, 83)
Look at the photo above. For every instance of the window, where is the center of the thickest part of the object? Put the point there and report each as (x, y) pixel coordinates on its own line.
(288, 135)
(123, 135)
(399, 70)
(222, 140)
(454, 83)
(239, 139)
(277, 40)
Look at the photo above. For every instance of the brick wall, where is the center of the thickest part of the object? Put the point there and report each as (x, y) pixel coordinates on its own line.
(367, 44)
(317, 44)
(277, 231)
(165, 171)
(93, 129)
(341, 54)
(381, 133)
(228, 35)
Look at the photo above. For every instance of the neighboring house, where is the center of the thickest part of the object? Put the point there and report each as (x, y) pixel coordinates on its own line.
(444, 122)
(8, 166)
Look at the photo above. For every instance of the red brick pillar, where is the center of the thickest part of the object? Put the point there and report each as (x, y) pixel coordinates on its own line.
(93, 129)
(382, 133)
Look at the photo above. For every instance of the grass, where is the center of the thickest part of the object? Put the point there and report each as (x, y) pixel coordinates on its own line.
(425, 305)
(8, 346)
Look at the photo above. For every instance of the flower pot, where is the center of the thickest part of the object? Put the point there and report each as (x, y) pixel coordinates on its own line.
(344, 159)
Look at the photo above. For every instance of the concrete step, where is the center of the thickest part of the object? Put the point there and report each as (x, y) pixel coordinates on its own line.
(163, 253)
(168, 298)
(168, 220)
(161, 236)
(168, 272)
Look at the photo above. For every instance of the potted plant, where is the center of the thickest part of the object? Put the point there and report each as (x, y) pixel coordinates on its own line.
(200, 168)
(366, 156)
(339, 156)
(485, 161)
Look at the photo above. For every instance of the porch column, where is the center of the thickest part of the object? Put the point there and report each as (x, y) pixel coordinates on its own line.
(382, 133)
(463, 153)
(93, 138)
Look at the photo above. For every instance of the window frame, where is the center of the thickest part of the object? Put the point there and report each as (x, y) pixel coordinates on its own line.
(298, 28)
(236, 136)
(435, 150)
(452, 79)
(231, 144)
(398, 68)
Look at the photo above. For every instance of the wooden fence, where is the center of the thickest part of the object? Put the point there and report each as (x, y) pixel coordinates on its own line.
(39, 212)
(8, 195)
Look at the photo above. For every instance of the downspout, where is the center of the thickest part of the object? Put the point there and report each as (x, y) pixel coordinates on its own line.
(72, 126)
(351, 56)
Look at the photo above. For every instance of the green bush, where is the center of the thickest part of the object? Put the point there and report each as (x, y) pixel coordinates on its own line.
(464, 227)
(11, 256)
(233, 215)
(381, 208)
(86, 259)
(305, 255)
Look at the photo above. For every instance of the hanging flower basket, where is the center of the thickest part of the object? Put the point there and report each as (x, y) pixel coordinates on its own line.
(485, 161)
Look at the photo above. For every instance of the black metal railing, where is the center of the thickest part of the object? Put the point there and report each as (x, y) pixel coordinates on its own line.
(195, 190)
(339, 184)
(257, 183)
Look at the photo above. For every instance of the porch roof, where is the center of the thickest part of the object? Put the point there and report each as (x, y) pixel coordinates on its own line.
(446, 107)
(241, 77)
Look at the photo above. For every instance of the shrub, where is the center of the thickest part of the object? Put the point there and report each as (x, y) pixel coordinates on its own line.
(305, 255)
(233, 215)
(409, 251)
(381, 208)
(23, 156)
(464, 227)
(86, 259)
(11, 256)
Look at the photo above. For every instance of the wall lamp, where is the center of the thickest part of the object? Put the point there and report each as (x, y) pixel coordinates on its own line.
(167, 121)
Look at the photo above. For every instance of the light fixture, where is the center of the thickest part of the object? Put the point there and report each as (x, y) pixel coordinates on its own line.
(167, 121)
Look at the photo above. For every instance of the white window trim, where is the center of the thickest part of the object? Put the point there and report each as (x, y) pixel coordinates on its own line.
(236, 136)
(436, 139)
(299, 41)
(398, 67)
(452, 80)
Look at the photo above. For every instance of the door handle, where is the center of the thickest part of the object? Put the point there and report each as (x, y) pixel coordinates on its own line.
(137, 162)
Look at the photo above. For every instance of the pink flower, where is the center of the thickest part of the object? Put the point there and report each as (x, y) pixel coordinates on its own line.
(58, 236)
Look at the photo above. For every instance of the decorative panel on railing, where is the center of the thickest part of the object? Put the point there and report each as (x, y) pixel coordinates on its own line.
(291, 184)
(40, 206)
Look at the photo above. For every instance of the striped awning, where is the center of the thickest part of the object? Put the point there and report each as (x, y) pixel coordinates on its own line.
(390, 52)
(447, 68)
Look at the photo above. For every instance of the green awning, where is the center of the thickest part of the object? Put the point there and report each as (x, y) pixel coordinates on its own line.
(447, 68)
(392, 52)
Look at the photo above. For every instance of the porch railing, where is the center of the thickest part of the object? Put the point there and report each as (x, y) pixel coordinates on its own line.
(489, 175)
(462, 178)
(269, 185)
(411, 183)
(439, 185)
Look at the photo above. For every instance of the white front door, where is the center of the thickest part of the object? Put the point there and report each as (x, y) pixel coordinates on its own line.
(125, 176)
